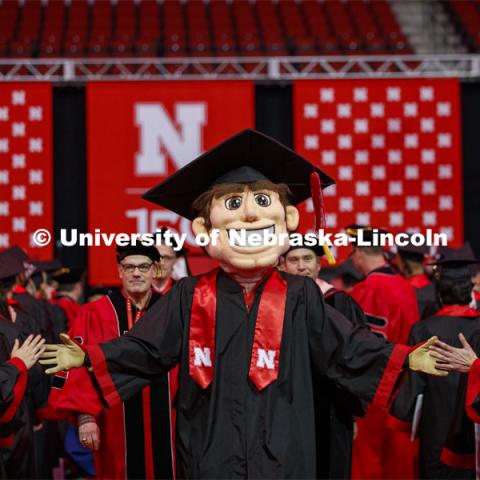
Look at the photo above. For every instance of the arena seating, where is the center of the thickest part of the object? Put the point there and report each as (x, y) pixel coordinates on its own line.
(172, 28)
(467, 17)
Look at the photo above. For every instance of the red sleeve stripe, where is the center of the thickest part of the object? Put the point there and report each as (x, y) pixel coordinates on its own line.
(398, 425)
(457, 460)
(18, 389)
(473, 390)
(390, 376)
(100, 369)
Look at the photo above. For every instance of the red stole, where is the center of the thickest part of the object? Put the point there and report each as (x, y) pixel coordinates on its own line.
(268, 331)
(418, 281)
(457, 311)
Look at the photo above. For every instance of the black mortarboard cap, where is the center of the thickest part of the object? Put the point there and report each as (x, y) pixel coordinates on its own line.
(457, 257)
(47, 266)
(10, 264)
(367, 232)
(246, 157)
(410, 248)
(317, 248)
(68, 275)
(456, 262)
(138, 249)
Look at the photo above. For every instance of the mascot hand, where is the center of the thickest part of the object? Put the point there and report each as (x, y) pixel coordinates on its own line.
(63, 357)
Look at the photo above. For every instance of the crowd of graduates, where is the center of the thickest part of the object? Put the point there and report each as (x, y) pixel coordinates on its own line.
(406, 297)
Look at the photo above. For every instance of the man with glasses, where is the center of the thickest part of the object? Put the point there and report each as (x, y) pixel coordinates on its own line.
(132, 439)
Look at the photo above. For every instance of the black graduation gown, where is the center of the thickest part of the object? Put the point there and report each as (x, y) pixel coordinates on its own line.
(230, 429)
(438, 395)
(36, 310)
(428, 300)
(459, 451)
(19, 459)
(335, 408)
(8, 377)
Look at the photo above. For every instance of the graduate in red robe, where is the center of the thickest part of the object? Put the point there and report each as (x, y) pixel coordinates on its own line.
(133, 438)
(245, 335)
(69, 291)
(390, 306)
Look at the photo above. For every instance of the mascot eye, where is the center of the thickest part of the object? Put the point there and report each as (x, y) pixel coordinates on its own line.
(263, 199)
(233, 203)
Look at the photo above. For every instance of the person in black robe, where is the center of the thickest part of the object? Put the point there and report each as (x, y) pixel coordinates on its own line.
(410, 261)
(437, 395)
(132, 440)
(14, 287)
(334, 408)
(244, 335)
(16, 411)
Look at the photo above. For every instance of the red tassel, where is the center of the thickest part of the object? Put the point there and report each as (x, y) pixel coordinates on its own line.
(319, 210)
(317, 198)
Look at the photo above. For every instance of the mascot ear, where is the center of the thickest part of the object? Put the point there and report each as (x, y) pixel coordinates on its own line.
(198, 226)
(292, 217)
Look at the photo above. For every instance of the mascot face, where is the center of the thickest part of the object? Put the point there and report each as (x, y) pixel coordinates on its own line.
(242, 218)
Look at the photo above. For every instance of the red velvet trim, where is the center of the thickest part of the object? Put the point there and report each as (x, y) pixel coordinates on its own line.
(19, 290)
(6, 442)
(473, 390)
(19, 363)
(18, 389)
(457, 311)
(398, 425)
(100, 369)
(418, 281)
(202, 327)
(390, 375)
(147, 434)
(12, 302)
(268, 330)
(330, 292)
(457, 460)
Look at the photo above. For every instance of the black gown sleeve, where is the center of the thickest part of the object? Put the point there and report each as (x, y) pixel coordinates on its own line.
(356, 359)
(414, 384)
(459, 448)
(125, 365)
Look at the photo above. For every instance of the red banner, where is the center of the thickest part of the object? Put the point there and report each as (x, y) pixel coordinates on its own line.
(26, 166)
(140, 133)
(393, 147)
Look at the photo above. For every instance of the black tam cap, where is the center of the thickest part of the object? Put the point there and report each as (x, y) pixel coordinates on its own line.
(67, 275)
(246, 157)
(148, 251)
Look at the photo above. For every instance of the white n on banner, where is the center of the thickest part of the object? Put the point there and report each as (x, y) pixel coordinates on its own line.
(157, 131)
(139, 133)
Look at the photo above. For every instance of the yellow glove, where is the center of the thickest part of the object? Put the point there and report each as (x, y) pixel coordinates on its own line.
(64, 357)
(420, 359)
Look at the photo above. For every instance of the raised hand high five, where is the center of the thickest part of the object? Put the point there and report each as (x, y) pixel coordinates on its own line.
(30, 350)
(453, 359)
(63, 357)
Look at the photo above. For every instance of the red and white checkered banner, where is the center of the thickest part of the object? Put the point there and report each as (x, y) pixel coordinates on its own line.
(393, 147)
(139, 134)
(26, 165)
